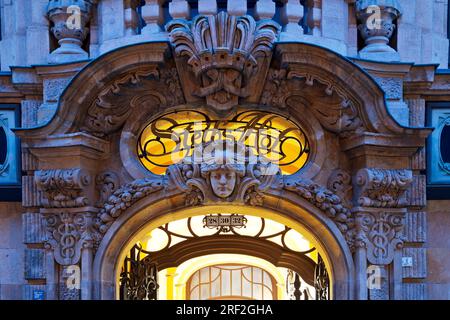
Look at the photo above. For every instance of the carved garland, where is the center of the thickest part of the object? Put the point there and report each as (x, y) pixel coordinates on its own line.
(125, 197)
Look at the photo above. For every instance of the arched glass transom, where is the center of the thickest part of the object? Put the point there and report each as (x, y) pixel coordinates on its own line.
(175, 136)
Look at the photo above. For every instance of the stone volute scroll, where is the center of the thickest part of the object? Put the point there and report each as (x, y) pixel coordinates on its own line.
(382, 188)
(223, 57)
(63, 188)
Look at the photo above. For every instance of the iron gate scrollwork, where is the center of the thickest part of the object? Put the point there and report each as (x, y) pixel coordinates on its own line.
(321, 280)
(139, 277)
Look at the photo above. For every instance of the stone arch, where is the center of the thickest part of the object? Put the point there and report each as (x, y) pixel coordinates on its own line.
(162, 207)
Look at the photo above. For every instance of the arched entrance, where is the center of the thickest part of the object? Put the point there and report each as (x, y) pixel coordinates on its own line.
(272, 248)
(187, 242)
(88, 180)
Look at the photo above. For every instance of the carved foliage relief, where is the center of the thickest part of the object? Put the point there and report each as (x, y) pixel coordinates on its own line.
(334, 109)
(148, 87)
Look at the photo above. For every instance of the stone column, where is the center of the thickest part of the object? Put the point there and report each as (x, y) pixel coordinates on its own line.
(131, 17)
(315, 17)
(377, 25)
(380, 214)
(69, 19)
(291, 15)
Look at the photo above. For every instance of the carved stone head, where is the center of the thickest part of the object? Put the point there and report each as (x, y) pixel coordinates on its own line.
(222, 171)
(223, 182)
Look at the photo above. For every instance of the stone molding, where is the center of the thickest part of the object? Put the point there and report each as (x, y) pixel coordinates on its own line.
(143, 87)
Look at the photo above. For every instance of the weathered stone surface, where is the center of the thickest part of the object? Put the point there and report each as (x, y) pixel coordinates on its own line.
(417, 192)
(30, 195)
(30, 291)
(418, 270)
(418, 160)
(414, 291)
(33, 228)
(416, 227)
(34, 264)
(30, 110)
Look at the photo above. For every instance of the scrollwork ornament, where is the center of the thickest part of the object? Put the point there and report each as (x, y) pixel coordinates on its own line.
(381, 233)
(382, 188)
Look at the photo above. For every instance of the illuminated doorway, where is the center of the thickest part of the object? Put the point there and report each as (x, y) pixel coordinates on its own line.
(231, 282)
(163, 264)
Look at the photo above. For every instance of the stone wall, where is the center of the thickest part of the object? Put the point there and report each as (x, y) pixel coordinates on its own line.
(11, 251)
(438, 252)
(423, 26)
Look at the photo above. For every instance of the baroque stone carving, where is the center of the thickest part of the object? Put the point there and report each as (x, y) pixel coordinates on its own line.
(377, 32)
(324, 199)
(383, 188)
(225, 54)
(68, 232)
(340, 182)
(69, 19)
(381, 233)
(123, 198)
(147, 87)
(335, 110)
(106, 183)
(229, 181)
(62, 188)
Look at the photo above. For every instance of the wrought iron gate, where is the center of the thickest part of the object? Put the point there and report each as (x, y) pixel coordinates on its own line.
(139, 277)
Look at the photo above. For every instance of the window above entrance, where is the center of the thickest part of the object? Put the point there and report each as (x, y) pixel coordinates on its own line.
(257, 135)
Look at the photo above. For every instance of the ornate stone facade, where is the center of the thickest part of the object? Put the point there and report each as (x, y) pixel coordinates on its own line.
(361, 192)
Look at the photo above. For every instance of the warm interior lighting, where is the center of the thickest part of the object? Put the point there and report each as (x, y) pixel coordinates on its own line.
(172, 137)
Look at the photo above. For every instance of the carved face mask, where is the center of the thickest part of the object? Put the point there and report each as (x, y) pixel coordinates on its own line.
(223, 182)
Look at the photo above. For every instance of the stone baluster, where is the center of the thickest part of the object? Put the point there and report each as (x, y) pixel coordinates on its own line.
(69, 18)
(315, 17)
(207, 7)
(152, 13)
(377, 25)
(291, 15)
(131, 17)
(264, 9)
(237, 7)
(180, 9)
